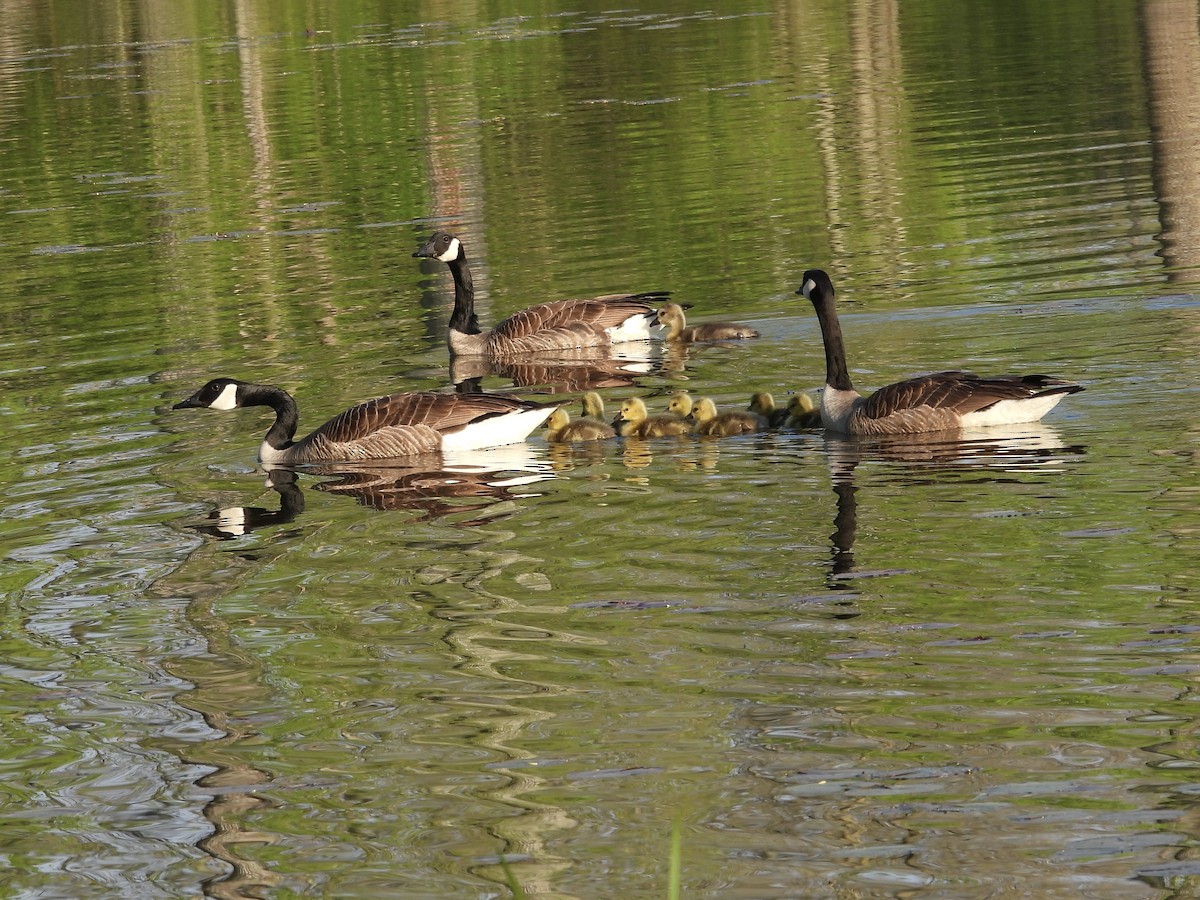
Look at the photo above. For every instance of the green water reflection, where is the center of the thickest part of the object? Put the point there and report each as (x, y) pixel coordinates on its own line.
(942, 669)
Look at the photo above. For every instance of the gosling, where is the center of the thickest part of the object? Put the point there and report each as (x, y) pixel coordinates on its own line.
(671, 315)
(763, 404)
(711, 422)
(802, 412)
(635, 421)
(561, 430)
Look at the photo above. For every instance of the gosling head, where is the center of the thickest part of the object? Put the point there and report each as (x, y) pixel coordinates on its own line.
(762, 403)
(670, 316)
(558, 420)
(705, 410)
(593, 405)
(801, 404)
(632, 410)
(681, 404)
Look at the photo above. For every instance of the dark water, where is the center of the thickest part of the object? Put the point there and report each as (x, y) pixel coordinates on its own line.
(937, 668)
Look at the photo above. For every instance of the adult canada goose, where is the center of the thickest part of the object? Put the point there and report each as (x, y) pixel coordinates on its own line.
(558, 325)
(395, 426)
(635, 421)
(671, 315)
(763, 404)
(593, 406)
(710, 421)
(562, 430)
(932, 402)
(680, 405)
(802, 412)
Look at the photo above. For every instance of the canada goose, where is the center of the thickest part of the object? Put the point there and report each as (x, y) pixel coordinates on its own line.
(710, 421)
(593, 406)
(634, 421)
(932, 402)
(399, 425)
(802, 412)
(561, 430)
(558, 325)
(680, 405)
(763, 404)
(671, 315)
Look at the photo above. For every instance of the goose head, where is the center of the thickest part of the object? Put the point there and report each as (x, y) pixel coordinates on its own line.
(558, 420)
(815, 286)
(220, 393)
(681, 404)
(443, 246)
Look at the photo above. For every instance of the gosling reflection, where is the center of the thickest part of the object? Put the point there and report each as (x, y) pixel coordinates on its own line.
(993, 455)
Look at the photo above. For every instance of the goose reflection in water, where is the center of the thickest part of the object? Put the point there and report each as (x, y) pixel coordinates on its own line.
(999, 454)
(563, 372)
(435, 486)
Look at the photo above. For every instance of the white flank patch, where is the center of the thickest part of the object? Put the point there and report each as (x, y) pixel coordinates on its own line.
(807, 288)
(227, 399)
(451, 251)
(1012, 412)
(635, 328)
(496, 431)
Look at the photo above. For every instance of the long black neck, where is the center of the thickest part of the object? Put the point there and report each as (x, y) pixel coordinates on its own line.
(836, 374)
(463, 319)
(287, 416)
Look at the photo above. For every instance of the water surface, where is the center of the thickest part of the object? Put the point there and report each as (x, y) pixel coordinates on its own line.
(954, 667)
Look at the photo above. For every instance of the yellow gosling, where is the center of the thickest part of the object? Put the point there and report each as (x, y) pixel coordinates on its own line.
(802, 412)
(712, 422)
(561, 430)
(635, 421)
(671, 316)
(763, 404)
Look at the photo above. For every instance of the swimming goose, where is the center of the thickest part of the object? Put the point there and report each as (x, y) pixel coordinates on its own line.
(635, 421)
(680, 405)
(561, 430)
(802, 412)
(763, 404)
(558, 325)
(927, 403)
(671, 315)
(593, 406)
(399, 425)
(710, 421)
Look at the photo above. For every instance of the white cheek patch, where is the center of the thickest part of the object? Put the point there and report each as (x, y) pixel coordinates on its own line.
(451, 251)
(227, 399)
(808, 288)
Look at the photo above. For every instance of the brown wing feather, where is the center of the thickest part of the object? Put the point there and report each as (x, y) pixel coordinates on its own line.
(438, 411)
(595, 315)
(958, 393)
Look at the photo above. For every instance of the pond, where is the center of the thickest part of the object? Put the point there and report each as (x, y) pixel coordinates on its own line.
(948, 667)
